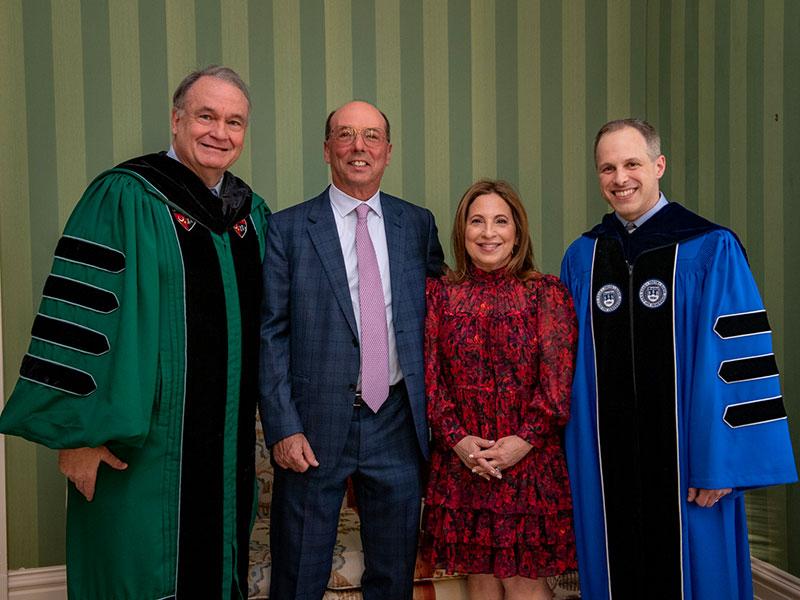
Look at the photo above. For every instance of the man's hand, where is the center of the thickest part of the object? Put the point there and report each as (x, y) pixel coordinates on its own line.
(706, 498)
(504, 454)
(295, 453)
(80, 466)
(467, 447)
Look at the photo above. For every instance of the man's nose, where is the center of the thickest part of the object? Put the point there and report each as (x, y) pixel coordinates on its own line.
(358, 142)
(218, 128)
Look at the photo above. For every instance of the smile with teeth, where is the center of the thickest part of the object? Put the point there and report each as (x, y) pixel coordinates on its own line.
(358, 163)
(624, 193)
(489, 246)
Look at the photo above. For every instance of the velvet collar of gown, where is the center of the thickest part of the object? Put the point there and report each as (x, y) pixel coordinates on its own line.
(188, 194)
(670, 225)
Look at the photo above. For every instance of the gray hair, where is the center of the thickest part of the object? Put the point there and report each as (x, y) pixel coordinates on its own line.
(218, 72)
(649, 133)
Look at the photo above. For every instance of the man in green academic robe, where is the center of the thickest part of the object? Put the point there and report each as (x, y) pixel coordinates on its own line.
(142, 368)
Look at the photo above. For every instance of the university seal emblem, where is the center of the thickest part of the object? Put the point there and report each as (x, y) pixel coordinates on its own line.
(653, 293)
(608, 298)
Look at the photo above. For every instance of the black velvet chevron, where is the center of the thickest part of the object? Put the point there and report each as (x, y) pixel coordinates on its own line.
(54, 375)
(70, 335)
(751, 367)
(90, 254)
(730, 326)
(80, 294)
(752, 413)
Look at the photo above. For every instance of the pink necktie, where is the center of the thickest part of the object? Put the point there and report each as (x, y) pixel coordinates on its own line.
(374, 337)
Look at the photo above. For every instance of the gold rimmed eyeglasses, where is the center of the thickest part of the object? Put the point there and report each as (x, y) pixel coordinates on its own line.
(344, 136)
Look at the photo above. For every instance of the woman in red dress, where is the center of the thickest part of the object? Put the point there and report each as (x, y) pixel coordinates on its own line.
(500, 350)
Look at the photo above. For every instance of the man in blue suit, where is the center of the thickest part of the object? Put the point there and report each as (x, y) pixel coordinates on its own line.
(342, 388)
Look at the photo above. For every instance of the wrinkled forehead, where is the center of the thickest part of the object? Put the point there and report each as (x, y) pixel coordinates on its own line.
(217, 94)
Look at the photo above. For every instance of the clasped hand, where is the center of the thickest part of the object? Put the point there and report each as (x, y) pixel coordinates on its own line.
(489, 458)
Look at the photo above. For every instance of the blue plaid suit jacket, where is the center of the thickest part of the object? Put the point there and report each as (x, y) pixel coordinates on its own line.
(309, 342)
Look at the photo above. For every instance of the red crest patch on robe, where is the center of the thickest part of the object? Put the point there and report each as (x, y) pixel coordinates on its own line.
(241, 228)
(186, 222)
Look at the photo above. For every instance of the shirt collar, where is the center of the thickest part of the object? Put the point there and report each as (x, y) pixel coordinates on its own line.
(345, 204)
(214, 189)
(662, 202)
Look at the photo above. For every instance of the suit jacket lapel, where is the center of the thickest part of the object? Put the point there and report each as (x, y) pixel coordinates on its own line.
(395, 243)
(325, 237)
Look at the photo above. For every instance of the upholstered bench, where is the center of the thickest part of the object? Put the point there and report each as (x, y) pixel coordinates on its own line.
(348, 558)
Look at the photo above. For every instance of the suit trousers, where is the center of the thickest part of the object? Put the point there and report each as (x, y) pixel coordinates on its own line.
(382, 457)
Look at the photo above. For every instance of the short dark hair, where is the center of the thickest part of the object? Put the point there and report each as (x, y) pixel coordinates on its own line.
(385, 120)
(649, 133)
(218, 72)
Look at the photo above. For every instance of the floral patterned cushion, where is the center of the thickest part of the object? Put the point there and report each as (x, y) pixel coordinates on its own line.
(348, 558)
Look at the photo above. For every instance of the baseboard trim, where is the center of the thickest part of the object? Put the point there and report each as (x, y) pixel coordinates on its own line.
(50, 583)
(44, 583)
(770, 583)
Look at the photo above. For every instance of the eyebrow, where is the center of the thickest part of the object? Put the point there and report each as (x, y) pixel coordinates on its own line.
(623, 161)
(504, 215)
(203, 109)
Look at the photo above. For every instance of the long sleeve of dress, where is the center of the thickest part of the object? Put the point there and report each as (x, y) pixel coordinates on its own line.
(556, 335)
(445, 425)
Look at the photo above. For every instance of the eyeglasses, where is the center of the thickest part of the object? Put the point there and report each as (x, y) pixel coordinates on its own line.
(344, 136)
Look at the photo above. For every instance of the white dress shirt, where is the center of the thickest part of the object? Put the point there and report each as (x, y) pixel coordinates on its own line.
(344, 213)
(661, 203)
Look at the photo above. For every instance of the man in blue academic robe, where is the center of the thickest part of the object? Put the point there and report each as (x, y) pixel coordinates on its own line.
(676, 404)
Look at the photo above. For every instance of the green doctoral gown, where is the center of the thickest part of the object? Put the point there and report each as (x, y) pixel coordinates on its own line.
(146, 341)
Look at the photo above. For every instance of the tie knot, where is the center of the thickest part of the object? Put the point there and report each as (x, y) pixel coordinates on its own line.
(362, 210)
(630, 227)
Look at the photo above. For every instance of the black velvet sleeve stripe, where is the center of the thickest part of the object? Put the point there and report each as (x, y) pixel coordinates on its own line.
(745, 369)
(90, 254)
(57, 376)
(755, 412)
(741, 324)
(69, 335)
(81, 294)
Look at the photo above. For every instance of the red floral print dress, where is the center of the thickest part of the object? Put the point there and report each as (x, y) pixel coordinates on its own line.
(499, 358)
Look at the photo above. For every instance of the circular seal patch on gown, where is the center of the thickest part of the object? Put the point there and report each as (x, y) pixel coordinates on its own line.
(608, 298)
(653, 293)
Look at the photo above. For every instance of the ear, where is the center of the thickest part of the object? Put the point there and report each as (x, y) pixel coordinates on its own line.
(388, 154)
(661, 166)
(174, 120)
(326, 152)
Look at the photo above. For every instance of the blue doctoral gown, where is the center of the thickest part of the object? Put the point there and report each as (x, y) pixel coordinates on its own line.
(676, 386)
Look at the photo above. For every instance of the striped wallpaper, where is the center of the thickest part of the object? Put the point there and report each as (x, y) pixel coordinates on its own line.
(473, 88)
